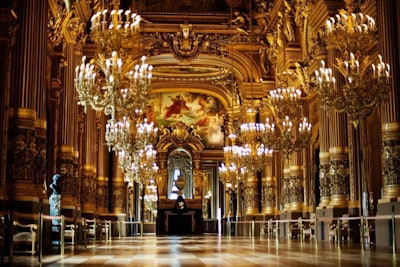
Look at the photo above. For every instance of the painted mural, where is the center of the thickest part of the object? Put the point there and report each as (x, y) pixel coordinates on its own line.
(199, 111)
(183, 5)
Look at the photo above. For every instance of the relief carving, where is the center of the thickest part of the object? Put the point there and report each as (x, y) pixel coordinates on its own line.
(268, 197)
(250, 197)
(21, 154)
(88, 188)
(39, 166)
(324, 180)
(186, 45)
(339, 176)
(391, 162)
(68, 184)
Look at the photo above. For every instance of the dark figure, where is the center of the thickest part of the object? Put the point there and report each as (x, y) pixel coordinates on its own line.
(55, 184)
(180, 205)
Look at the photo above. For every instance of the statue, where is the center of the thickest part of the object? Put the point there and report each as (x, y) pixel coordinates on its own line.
(55, 197)
(54, 185)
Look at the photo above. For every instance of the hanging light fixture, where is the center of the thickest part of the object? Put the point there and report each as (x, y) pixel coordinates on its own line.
(366, 81)
(255, 153)
(287, 131)
(117, 82)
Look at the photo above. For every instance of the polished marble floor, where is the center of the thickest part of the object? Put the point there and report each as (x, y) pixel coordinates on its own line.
(213, 250)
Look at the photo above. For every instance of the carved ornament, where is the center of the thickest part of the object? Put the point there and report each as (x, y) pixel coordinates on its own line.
(185, 44)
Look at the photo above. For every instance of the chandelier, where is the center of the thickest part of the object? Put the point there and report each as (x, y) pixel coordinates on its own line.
(117, 82)
(151, 198)
(139, 167)
(115, 30)
(136, 155)
(113, 86)
(287, 131)
(366, 81)
(291, 138)
(252, 154)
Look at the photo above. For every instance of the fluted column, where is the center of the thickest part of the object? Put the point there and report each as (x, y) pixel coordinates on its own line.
(339, 160)
(268, 181)
(324, 162)
(89, 171)
(6, 44)
(387, 19)
(102, 170)
(338, 145)
(69, 133)
(27, 104)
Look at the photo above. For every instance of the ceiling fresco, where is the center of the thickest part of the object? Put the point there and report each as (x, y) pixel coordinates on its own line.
(183, 5)
(201, 112)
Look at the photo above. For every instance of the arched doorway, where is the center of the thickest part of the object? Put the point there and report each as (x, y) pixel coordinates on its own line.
(180, 167)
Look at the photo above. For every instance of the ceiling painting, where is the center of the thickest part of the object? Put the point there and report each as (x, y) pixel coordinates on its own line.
(183, 5)
(201, 112)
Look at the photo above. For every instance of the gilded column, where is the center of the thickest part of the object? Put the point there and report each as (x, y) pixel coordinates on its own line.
(296, 187)
(339, 161)
(39, 166)
(338, 146)
(89, 170)
(162, 179)
(268, 189)
(286, 186)
(324, 161)
(7, 41)
(70, 129)
(102, 167)
(251, 195)
(268, 197)
(388, 17)
(198, 178)
(27, 104)
(118, 197)
(268, 181)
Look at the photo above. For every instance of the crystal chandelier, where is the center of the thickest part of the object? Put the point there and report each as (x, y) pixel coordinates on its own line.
(117, 82)
(139, 167)
(115, 29)
(366, 81)
(290, 139)
(113, 86)
(287, 131)
(150, 197)
(136, 155)
(254, 154)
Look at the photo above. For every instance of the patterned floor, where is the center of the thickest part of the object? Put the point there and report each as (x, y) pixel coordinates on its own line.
(210, 250)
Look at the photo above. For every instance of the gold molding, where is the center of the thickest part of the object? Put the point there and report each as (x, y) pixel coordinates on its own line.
(22, 113)
(391, 131)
